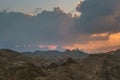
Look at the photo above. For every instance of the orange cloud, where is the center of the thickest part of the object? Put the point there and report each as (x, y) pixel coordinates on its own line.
(52, 47)
(114, 39)
(100, 35)
(99, 45)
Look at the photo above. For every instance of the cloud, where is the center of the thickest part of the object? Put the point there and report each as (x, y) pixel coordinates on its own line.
(98, 23)
(99, 45)
(98, 16)
(48, 47)
(48, 28)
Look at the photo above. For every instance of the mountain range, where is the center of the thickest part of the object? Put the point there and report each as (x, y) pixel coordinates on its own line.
(20, 66)
(57, 55)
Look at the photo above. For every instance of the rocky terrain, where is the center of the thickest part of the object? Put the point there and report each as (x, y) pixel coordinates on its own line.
(17, 66)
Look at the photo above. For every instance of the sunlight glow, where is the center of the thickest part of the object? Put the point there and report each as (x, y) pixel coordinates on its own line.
(99, 45)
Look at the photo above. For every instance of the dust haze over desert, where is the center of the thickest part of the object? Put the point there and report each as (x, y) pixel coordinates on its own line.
(60, 40)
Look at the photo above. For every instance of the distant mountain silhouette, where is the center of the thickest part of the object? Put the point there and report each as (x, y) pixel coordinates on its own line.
(76, 54)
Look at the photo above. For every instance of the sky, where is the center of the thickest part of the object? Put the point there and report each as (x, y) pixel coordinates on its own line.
(30, 6)
(28, 25)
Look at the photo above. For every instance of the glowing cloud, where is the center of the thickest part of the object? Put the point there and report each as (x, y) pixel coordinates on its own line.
(100, 35)
(99, 45)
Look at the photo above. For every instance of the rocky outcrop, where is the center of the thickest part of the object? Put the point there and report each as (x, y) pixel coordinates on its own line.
(95, 67)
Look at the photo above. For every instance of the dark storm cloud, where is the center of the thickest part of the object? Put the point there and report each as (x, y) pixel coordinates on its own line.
(98, 16)
(48, 27)
(98, 20)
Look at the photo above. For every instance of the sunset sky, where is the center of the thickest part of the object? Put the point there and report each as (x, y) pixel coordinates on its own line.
(89, 25)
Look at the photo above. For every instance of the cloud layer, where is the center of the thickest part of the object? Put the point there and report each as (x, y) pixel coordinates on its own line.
(99, 21)
(48, 28)
(98, 16)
